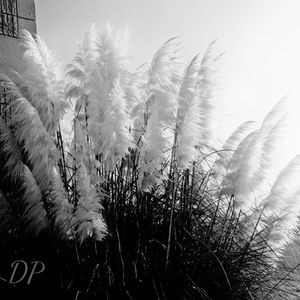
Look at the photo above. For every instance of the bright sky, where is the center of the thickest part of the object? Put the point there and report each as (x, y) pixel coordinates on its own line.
(261, 40)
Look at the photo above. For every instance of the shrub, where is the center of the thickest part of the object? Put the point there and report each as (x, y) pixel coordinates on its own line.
(117, 178)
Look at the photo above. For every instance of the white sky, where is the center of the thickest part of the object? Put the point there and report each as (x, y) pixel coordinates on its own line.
(261, 40)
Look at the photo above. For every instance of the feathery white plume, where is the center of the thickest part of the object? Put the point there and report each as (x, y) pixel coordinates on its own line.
(282, 202)
(160, 113)
(34, 212)
(228, 183)
(163, 74)
(111, 63)
(158, 138)
(285, 186)
(79, 71)
(152, 151)
(272, 159)
(233, 141)
(268, 124)
(38, 144)
(113, 47)
(205, 91)
(187, 87)
(246, 191)
(116, 132)
(88, 220)
(281, 108)
(284, 229)
(136, 96)
(165, 66)
(42, 76)
(222, 164)
(188, 128)
(134, 84)
(63, 209)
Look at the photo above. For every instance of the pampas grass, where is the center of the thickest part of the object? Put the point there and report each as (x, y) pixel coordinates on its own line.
(42, 78)
(116, 129)
(140, 199)
(187, 127)
(34, 152)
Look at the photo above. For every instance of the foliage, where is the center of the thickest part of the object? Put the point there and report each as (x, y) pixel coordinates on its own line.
(119, 174)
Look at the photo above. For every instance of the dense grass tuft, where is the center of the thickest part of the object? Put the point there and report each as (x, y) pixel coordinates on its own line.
(206, 252)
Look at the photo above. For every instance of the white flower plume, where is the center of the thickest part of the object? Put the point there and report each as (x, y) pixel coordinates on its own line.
(42, 76)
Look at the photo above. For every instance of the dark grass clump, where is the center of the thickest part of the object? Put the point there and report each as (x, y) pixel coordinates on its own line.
(176, 241)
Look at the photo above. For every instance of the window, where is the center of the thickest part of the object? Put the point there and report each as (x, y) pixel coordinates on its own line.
(9, 18)
(5, 111)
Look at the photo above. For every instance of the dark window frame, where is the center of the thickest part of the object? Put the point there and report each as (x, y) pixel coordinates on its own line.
(9, 23)
(5, 101)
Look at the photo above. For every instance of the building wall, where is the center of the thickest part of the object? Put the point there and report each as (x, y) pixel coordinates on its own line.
(11, 50)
